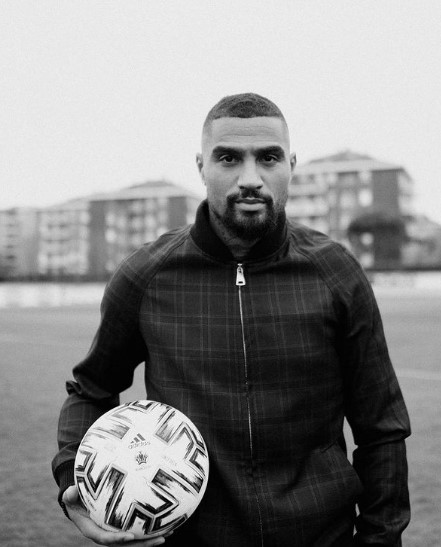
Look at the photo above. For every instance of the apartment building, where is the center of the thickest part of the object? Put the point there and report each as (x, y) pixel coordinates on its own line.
(18, 243)
(122, 221)
(328, 193)
(63, 240)
(86, 238)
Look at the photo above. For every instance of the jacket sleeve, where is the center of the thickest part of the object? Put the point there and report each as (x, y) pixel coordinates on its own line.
(378, 417)
(106, 371)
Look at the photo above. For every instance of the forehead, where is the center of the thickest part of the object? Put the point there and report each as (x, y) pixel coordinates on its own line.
(246, 131)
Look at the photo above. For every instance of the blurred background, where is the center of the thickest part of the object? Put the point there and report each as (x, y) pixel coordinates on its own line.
(101, 112)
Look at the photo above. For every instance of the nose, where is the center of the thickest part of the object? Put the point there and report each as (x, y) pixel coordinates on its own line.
(249, 176)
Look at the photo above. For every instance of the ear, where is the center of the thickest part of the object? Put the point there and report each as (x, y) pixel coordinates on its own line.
(293, 161)
(200, 164)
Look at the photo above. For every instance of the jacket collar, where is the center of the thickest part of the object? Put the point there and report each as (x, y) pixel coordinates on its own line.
(208, 241)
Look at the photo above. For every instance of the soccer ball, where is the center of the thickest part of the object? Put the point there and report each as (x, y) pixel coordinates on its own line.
(142, 467)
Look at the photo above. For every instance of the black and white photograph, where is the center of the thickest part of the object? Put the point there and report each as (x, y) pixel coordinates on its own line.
(220, 273)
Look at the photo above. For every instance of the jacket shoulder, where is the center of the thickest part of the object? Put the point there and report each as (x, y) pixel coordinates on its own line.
(141, 265)
(334, 262)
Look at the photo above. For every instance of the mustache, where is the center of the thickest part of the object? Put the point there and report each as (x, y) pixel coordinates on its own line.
(249, 193)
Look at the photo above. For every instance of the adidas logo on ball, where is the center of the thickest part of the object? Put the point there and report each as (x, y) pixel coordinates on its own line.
(137, 442)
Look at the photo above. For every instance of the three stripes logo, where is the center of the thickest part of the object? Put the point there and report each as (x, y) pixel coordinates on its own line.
(137, 442)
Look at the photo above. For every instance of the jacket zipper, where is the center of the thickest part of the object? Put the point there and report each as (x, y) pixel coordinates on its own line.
(240, 282)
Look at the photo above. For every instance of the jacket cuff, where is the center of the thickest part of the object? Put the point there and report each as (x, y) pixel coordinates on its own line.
(65, 478)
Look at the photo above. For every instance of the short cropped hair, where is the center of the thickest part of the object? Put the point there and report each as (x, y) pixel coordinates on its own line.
(243, 105)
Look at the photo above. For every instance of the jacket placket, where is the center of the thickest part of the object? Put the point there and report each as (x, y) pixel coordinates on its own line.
(241, 282)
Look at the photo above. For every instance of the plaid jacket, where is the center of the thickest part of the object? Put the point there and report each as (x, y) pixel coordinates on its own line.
(267, 357)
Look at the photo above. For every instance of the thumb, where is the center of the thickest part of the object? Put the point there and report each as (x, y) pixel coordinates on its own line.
(71, 495)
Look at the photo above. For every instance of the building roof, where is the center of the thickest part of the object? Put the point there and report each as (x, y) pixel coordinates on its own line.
(344, 155)
(71, 204)
(18, 210)
(145, 190)
(345, 161)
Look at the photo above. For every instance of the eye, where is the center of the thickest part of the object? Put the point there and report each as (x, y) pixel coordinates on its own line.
(270, 158)
(227, 158)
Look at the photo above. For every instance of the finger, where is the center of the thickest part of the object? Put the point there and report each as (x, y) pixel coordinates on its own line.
(94, 532)
(90, 529)
(71, 495)
(102, 537)
(72, 500)
(146, 543)
(116, 539)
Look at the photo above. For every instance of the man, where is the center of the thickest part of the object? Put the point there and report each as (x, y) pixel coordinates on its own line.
(266, 334)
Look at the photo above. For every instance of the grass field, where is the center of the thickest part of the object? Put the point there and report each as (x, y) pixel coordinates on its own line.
(39, 347)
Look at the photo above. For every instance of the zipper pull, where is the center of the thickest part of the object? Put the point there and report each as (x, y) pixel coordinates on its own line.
(240, 278)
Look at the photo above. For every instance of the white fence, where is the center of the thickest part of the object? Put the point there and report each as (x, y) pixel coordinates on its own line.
(29, 295)
(407, 282)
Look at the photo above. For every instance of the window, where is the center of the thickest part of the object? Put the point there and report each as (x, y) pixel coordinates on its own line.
(365, 197)
(348, 200)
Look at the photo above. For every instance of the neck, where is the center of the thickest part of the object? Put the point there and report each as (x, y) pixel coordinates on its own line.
(239, 248)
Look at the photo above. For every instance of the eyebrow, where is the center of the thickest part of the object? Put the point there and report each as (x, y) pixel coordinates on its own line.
(271, 149)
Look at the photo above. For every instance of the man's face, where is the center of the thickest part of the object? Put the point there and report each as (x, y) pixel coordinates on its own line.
(246, 167)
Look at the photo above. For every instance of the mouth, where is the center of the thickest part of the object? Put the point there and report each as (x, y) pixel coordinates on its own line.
(250, 201)
(250, 204)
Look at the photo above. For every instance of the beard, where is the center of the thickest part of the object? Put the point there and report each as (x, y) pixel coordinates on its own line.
(250, 225)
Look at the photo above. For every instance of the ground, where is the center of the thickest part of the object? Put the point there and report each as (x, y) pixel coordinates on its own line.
(40, 345)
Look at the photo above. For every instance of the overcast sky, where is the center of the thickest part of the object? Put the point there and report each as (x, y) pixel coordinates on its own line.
(97, 95)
